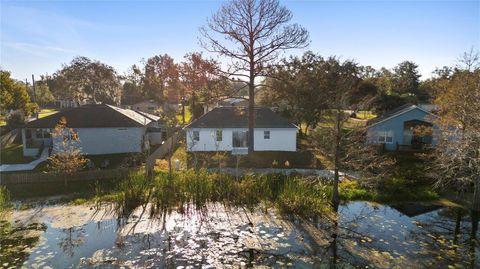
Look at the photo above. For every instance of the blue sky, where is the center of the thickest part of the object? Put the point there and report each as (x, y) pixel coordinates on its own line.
(37, 37)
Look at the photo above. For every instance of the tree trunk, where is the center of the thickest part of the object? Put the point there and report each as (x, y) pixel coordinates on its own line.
(476, 195)
(251, 111)
(457, 225)
(336, 179)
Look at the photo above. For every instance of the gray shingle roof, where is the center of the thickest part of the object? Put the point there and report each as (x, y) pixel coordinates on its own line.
(395, 112)
(399, 110)
(237, 117)
(93, 116)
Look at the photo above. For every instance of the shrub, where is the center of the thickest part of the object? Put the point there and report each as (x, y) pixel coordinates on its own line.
(15, 120)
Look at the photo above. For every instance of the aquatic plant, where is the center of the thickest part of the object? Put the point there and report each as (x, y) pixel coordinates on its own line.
(187, 190)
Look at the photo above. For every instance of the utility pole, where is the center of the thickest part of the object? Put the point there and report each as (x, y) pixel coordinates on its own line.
(33, 89)
(34, 93)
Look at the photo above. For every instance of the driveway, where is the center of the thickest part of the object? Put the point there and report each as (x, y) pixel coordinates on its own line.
(25, 166)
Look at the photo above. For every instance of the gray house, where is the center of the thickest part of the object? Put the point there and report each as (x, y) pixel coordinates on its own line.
(399, 129)
(101, 129)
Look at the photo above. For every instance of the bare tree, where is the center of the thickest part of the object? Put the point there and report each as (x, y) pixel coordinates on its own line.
(457, 156)
(469, 61)
(251, 33)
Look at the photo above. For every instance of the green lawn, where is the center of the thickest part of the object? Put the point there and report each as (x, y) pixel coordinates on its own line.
(46, 112)
(188, 115)
(13, 154)
(366, 115)
(42, 113)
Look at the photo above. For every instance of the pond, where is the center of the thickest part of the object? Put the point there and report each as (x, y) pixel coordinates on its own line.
(363, 235)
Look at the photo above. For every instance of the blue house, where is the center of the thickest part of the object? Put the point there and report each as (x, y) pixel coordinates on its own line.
(401, 129)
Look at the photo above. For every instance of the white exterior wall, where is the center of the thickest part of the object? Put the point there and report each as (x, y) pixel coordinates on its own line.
(281, 139)
(110, 140)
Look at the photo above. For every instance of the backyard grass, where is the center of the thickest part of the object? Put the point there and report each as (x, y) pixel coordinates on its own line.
(392, 190)
(46, 112)
(188, 115)
(366, 115)
(12, 154)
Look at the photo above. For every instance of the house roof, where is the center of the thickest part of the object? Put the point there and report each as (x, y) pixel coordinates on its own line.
(94, 116)
(237, 117)
(396, 112)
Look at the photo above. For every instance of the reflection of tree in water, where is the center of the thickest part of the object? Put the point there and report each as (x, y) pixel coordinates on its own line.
(73, 238)
(450, 236)
(16, 242)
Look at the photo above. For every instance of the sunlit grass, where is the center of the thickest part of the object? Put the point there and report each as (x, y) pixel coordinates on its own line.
(366, 115)
(393, 189)
(194, 190)
(46, 112)
(188, 115)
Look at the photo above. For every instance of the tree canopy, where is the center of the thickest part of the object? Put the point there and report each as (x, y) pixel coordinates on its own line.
(86, 79)
(14, 95)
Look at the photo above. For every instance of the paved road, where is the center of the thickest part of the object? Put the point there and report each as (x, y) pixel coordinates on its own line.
(25, 166)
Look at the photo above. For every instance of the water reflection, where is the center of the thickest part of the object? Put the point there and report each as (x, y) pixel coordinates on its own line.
(362, 234)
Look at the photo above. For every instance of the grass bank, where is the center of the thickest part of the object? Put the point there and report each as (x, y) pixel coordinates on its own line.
(393, 190)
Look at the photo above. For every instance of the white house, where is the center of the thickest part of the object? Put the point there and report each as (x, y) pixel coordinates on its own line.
(226, 129)
(101, 129)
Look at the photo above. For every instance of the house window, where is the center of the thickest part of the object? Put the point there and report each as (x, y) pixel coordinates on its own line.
(385, 137)
(218, 135)
(39, 134)
(266, 134)
(196, 136)
(42, 133)
(239, 139)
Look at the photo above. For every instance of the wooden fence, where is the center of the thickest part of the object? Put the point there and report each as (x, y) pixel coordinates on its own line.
(25, 178)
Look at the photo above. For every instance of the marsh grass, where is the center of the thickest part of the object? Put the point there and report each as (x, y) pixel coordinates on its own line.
(188, 190)
(5, 202)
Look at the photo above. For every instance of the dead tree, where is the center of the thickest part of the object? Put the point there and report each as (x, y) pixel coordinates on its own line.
(251, 33)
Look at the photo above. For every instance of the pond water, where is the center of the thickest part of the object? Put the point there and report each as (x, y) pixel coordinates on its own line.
(364, 235)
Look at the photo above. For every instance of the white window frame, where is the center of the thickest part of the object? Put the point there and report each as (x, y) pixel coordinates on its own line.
(384, 136)
(266, 134)
(196, 136)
